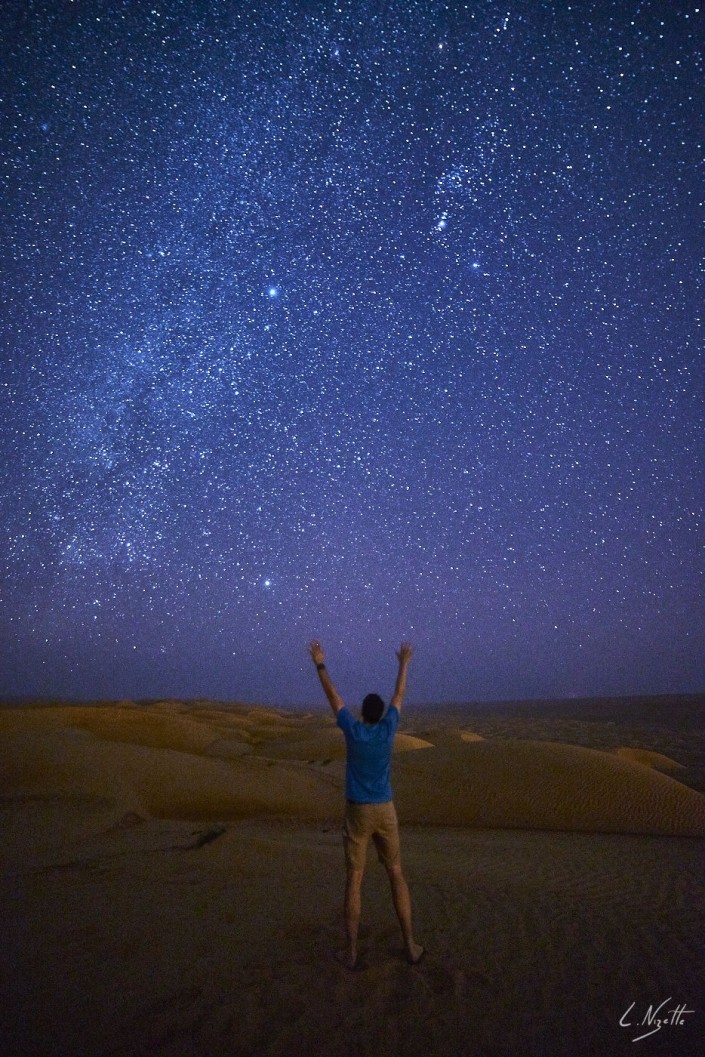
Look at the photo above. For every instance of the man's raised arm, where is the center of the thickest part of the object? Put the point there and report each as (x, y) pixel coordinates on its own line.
(403, 656)
(334, 699)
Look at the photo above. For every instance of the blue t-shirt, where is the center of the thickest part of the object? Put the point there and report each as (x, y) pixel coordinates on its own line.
(369, 757)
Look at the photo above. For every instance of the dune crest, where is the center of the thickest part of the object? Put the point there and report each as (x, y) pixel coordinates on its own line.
(649, 759)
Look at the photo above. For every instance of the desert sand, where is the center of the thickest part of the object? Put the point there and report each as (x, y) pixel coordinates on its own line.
(172, 880)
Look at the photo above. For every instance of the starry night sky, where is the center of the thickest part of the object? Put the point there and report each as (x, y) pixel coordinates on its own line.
(352, 320)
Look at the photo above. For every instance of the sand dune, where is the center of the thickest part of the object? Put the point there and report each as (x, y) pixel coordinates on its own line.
(161, 782)
(191, 766)
(544, 785)
(129, 725)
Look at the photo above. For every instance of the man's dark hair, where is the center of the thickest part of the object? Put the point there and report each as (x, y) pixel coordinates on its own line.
(372, 708)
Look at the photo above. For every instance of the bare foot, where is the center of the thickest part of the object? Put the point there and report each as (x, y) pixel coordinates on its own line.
(347, 958)
(415, 953)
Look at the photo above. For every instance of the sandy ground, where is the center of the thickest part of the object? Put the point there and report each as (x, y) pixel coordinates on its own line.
(172, 881)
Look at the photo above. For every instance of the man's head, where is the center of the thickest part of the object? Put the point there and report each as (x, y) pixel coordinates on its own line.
(372, 708)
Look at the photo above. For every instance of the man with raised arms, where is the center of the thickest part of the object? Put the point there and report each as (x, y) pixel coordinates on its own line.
(369, 809)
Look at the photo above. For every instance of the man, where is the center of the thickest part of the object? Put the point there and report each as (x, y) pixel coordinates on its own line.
(369, 810)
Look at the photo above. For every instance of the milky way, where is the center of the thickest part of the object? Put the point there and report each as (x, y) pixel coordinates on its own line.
(363, 321)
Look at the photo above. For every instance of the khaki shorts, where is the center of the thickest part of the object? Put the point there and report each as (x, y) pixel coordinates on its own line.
(363, 821)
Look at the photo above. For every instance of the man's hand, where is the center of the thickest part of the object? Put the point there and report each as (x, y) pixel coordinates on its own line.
(317, 656)
(403, 656)
(316, 651)
(404, 653)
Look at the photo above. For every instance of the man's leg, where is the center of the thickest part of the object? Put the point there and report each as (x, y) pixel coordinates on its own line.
(355, 839)
(353, 901)
(402, 905)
